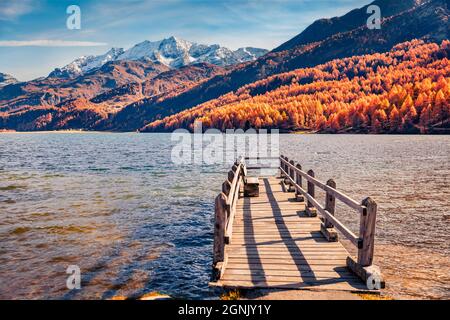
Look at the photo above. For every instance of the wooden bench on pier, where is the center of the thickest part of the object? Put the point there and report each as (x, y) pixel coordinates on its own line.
(286, 239)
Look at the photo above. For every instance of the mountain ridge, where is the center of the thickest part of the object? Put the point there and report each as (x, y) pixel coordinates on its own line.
(324, 28)
(172, 52)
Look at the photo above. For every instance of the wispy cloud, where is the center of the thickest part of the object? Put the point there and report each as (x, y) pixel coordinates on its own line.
(10, 10)
(50, 43)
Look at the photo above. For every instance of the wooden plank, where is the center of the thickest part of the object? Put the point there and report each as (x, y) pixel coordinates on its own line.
(292, 242)
(247, 249)
(291, 218)
(306, 278)
(275, 261)
(281, 267)
(235, 274)
(283, 233)
(276, 235)
(307, 285)
(288, 256)
(278, 227)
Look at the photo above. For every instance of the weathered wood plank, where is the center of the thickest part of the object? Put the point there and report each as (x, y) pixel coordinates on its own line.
(281, 267)
(333, 261)
(353, 286)
(287, 274)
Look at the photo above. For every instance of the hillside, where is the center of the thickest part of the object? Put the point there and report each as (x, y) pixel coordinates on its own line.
(96, 96)
(406, 90)
(324, 28)
(53, 91)
(428, 21)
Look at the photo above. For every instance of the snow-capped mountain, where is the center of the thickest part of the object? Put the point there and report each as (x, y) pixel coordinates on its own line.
(172, 52)
(6, 79)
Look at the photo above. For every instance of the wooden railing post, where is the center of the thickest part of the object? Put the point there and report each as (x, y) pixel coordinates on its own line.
(330, 205)
(367, 232)
(291, 172)
(231, 176)
(226, 187)
(310, 210)
(330, 202)
(285, 165)
(282, 165)
(364, 266)
(220, 222)
(298, 180)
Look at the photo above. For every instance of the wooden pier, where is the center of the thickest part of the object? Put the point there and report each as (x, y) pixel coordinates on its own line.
(284, 238)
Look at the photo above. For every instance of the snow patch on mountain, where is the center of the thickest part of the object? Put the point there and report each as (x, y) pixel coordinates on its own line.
(87, 63)
(6, 79)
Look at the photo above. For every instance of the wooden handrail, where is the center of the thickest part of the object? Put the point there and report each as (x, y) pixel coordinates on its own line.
(327, 215)
(339, 195)
(225, 210)
(367, 209)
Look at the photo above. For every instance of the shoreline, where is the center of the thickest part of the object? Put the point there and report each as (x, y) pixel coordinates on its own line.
(300, 132)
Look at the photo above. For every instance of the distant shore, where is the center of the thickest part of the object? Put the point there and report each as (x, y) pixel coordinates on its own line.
(301, 132)
(63, 131)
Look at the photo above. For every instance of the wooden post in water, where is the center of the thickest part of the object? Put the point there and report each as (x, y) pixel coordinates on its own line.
(330, 205)
(363, 267)
(226, 187)
(367, 232)
(310, 210)
(220, 222)
(298, 180)
(231, 176)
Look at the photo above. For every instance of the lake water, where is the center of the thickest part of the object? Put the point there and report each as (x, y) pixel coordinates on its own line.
(116, 206)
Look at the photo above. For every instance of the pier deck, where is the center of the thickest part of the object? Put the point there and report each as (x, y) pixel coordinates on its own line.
(276, 240)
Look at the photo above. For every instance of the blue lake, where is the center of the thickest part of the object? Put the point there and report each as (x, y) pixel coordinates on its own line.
(116, 206)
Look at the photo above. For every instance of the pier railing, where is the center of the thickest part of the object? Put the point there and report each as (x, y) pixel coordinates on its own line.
(294, 176)
(225, 210)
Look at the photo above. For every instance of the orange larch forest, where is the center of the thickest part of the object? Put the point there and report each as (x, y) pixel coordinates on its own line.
(406, 90)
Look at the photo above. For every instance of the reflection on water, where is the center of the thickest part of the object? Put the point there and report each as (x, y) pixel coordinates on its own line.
(114, 205)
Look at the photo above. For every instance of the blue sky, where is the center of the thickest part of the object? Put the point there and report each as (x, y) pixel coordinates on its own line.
(29, 29)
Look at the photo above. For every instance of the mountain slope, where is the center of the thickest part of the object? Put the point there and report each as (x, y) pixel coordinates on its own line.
(324, 28)
(405, 90)
(429, 21)
(88, 110)
(163, 86)
(85, 64)
(54, 91)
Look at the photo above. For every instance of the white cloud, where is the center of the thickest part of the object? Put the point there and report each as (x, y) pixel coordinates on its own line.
(50, 43)
(9, 10)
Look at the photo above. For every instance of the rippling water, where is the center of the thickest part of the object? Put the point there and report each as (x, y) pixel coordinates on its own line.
(114, 205)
